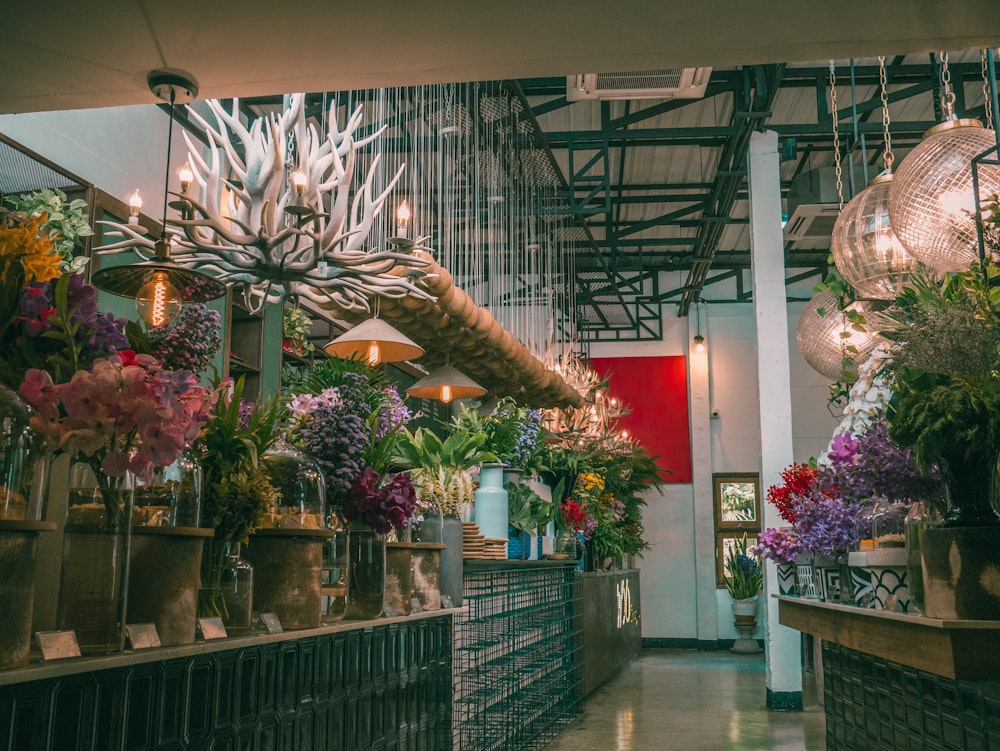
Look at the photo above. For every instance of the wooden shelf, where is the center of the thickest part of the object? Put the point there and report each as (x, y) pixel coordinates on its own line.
(961, 650)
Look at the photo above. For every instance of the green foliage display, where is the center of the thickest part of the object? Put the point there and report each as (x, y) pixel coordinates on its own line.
(66, 224)
(237, 492)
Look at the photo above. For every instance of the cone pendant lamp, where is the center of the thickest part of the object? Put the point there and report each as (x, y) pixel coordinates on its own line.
(376, 341)
(444, 384)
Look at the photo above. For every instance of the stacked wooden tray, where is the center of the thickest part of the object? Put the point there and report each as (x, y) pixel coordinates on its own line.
(473, 543)
(479, 547)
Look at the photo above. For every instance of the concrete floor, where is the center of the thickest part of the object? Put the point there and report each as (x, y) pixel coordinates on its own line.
(691, 701)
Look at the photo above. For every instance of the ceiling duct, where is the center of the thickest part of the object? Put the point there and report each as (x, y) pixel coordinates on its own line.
(813, 207)
(666, 83)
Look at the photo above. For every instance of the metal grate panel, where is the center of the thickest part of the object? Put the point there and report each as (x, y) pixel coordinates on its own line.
(20, 173)
(518, 658)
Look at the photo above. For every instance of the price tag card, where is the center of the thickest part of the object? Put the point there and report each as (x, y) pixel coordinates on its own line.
(142, 635)
(212, 628)
(57, 645)
(271, 623)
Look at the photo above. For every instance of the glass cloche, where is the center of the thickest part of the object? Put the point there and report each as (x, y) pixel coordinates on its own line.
(23, 462)
(302, 491)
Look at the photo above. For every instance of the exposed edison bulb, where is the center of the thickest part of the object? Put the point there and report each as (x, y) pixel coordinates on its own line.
(699, 343)
(374, 353)
(186, 176)
(134, 207)
(402, 218)
(158, 302)
(446, 393)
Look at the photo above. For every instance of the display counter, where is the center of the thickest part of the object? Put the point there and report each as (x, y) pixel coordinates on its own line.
(612, 635)
(898, 681)
(351, 685)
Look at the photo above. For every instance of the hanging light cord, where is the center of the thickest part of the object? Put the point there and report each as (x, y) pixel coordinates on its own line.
(836, 135)
(987, 104)
(887, 156)
(166, 169)
(947, 95)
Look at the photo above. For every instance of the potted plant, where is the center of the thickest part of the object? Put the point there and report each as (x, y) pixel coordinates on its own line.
(945, 374)
(238, 494)
(744, 580)
(295, 330)
(441, 472)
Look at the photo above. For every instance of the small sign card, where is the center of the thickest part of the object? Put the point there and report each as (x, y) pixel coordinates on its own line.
(212, 628)
(142, 635)
(57, 645)
(271, 623)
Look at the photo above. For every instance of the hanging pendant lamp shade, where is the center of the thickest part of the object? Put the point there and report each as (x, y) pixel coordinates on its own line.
(159, 286)
(932, 202)
(444, 384)
(828, 342)
(374, 337)
(865, 249)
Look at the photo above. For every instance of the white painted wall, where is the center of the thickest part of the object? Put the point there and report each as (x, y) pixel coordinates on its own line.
(669, 597)
(118, 149)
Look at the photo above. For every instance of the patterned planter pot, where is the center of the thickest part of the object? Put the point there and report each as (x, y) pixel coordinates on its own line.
(887, 579)
(786, 579)
(826, 576)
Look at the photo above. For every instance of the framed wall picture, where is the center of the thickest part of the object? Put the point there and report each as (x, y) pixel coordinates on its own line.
(737, 502)
(723, 542)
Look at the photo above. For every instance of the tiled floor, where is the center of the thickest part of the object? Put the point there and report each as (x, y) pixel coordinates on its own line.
(691, 701)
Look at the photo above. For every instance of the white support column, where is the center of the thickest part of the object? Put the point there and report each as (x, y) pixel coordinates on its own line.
(701, 490)
(767, 268)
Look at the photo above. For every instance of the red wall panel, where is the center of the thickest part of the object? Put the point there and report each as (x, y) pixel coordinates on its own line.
(655, 389)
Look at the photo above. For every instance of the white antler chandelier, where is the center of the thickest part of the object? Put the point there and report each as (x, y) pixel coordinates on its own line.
(291, 228)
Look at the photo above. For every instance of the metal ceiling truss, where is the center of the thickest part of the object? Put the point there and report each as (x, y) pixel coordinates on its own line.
(617, 295)
(629, 251)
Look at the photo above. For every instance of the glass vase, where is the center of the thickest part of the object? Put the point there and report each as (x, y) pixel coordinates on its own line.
(94, 581)
(24, 463)
(335, 567)
(172, 497)
(236, 588)
(365, 573)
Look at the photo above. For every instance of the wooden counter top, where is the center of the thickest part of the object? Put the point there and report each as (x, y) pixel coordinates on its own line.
(70, 666)
(961, 650)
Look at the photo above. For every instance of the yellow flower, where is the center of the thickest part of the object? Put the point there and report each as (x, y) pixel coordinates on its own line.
(592, 481)
(35, 251)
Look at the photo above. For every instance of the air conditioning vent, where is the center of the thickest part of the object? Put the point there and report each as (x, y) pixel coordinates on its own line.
(667, 83)
(813, 208)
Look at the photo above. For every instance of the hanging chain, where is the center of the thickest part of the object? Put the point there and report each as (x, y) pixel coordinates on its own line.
(947, 95)
(987, 103)
(887, 156)
(836, 135)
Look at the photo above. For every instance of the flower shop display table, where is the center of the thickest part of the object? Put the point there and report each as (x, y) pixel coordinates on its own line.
(350, 685)
(518, 656)
(899, 681)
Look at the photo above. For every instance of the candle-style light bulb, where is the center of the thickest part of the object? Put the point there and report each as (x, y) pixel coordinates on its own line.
(402, 218)
(186, 176)
(134, 207)
(299, 181)
(373, 353)
(446, 393)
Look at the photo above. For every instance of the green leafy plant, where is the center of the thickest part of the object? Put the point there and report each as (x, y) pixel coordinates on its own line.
(237, 492)
(296, 326)
(521, 507)
(742, 572)
(66, 223)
